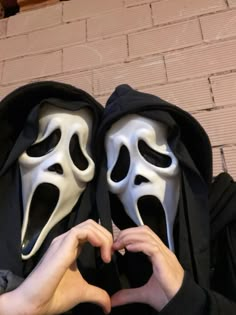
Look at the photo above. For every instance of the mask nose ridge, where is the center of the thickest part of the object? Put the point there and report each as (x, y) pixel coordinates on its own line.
(139, 179)
(57, 168)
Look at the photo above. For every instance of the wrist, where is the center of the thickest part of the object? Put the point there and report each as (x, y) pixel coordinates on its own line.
(11, 304)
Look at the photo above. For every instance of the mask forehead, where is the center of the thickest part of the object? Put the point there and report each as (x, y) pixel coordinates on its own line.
(59, 158)
(51, 117)
(137, 148)
(136, 126)
(129, 130)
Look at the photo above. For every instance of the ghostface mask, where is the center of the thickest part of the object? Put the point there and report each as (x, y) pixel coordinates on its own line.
(54, 170)
(143, 173)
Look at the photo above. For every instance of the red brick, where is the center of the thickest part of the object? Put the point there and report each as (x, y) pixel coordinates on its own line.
(137, 74)
(102, 99)
(219, 124)
(57, 37)
(224, 89)
(5, 90)
(232, 3)
(82, 80)
(170, 11)
(201, 61)
(219, 25)
(31, 67)
(1, 70)
(189, 95)
(74, 9)
(3, 28)
(230, 154)
(95, 54)
(34, 20)
(120, 21)
(129, 3)
(165, 38)
(217, 162)
(13, 47)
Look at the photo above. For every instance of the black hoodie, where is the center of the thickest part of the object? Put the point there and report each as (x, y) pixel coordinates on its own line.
(205, 243)
(19, 129)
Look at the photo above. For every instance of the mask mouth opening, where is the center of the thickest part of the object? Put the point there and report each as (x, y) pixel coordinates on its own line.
(153, 215)
(43, 203)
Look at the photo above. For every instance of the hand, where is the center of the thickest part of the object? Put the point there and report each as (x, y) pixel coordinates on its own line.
(56, 285)
(167, 275)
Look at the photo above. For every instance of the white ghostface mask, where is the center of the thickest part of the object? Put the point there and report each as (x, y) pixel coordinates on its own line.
(143, 171)
(54, 171)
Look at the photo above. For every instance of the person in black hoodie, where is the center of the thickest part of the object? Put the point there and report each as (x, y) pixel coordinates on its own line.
(47, 134)
(179, 239)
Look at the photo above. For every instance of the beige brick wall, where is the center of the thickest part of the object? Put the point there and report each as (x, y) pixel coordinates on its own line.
(182, 50)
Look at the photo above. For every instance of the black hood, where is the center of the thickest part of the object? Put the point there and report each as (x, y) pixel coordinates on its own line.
(191, 145)
(19, 129)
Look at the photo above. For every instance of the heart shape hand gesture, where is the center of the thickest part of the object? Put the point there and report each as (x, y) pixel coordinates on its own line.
(56, 285)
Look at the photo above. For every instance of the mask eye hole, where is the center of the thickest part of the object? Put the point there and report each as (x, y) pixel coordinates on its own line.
(156, 158)
(43, 147)
(121, 167)
(76, 153)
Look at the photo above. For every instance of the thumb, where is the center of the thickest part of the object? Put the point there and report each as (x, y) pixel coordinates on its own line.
(98, 296)
(127, 296)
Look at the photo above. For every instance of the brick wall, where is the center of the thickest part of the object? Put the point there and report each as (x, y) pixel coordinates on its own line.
(182, 50)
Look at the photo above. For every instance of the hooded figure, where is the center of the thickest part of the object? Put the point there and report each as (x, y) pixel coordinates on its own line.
(46, 169)
(156, 169)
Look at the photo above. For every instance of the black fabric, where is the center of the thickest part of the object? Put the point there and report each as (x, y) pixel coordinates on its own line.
(206, 211)
(222, 196)
(9, 281)
(222, 201)
(19, 128)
